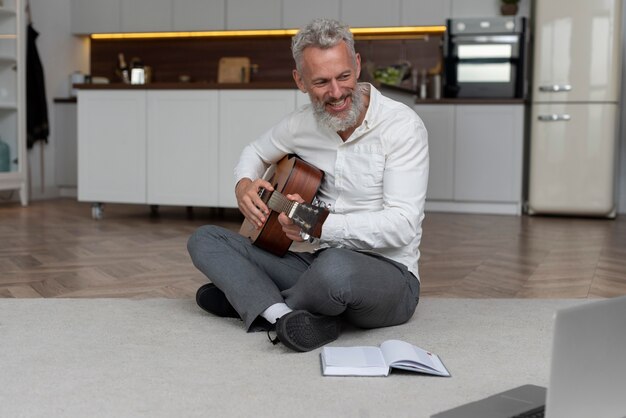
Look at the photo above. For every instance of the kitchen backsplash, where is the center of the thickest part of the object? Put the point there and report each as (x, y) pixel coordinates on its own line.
(197, 59)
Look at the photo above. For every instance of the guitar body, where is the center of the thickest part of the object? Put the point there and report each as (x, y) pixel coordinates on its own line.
(291, 176)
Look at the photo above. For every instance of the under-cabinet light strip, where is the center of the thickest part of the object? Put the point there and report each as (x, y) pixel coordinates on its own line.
(378, 32)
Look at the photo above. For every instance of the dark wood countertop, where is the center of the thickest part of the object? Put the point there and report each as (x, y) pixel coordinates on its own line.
(255, 85)
(452, 100)
(463, 101)
(65, 100)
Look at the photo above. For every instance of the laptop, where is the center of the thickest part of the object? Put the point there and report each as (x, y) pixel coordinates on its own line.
(587, 374)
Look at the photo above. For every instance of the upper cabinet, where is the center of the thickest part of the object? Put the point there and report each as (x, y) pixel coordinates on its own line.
(483, 8)
(146, 15)
(297, 13)
(198, 15)
(97, 16)
(258, 14)
(424, 12)
(94, 16)
(363, 13)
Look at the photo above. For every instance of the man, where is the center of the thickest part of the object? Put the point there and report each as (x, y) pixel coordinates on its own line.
(374, 154)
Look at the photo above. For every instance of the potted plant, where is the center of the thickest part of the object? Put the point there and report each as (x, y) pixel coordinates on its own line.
(508, 7)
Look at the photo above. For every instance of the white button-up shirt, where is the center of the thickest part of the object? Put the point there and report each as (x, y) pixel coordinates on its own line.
(374, 182)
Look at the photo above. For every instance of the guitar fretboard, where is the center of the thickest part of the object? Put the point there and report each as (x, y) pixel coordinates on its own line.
(279, 203)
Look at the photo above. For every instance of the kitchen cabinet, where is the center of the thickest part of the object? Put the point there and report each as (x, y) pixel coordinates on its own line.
(476, 155)
(146, 15)
(182, 148)
(112, 146)
(483, 8)
(424, 12)
(190, 15)
(148, 147)
(246, 114)
(13, 158)
(258, 14)
(474, 8)
(66, 148)
(439, 122)
(363, 13)
(298, 13)
(488, 153)
(95, 16)
(172, 147)
(302, 99)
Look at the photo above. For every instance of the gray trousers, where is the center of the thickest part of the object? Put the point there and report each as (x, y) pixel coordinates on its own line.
(368, 290)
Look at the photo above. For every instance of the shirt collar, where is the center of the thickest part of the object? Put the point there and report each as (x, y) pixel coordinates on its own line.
(372, 110)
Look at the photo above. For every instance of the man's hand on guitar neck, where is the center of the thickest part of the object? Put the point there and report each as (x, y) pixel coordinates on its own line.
(249, 202)
(289, 227)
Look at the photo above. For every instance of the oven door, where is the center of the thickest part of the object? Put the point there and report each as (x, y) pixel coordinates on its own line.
(484, 66)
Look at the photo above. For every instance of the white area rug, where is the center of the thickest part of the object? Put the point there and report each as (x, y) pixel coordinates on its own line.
(168, 358)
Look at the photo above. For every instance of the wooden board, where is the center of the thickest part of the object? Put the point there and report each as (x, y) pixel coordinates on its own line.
(233, 70)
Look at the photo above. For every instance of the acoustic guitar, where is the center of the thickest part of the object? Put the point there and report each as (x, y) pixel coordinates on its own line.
(290, 175)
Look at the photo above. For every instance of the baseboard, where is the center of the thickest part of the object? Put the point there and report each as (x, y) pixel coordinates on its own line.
(474, 207)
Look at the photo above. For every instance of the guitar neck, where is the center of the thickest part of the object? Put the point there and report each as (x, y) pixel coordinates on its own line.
(308, 217)
(279, 203)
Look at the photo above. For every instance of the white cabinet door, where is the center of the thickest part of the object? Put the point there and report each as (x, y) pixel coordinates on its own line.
(302, 99)
(182, 148)
(424, 12)
(146, 15)
(439, 122)
(362, 13)
(95, 16)
(297, 13)
(474, 8)
(488, 153)
(65, 158)
(112, 146)
(577, 43)
(257, 14)
(572, 159)
(244, 116)
(198, 15)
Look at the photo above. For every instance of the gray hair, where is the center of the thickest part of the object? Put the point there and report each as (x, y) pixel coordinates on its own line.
(321, 33)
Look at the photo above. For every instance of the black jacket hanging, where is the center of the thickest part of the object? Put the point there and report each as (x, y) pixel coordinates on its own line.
(37, 128)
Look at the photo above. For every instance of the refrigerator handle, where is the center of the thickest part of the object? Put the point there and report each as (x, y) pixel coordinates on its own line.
(555, 88)
(554, 118)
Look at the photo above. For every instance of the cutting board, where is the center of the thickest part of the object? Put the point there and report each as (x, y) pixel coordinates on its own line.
(233, 70)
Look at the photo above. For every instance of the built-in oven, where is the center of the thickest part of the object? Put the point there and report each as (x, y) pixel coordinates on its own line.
(485, 58)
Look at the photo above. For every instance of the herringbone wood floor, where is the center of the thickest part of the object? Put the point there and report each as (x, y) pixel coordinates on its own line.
(54, 249)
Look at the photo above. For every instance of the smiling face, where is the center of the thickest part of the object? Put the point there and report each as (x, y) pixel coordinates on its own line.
(330, 76)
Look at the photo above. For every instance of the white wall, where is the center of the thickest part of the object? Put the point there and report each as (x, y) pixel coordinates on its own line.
(61, 54)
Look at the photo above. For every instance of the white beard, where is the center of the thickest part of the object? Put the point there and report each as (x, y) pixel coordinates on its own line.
(339, 123)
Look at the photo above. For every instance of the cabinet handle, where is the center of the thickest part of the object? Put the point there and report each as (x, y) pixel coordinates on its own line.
(554, 118)
(556, 88)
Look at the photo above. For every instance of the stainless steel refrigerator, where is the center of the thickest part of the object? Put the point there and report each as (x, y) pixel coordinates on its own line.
(575, 107)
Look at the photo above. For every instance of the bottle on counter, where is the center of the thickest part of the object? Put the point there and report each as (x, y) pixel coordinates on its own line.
(123, 70)
(423, 92)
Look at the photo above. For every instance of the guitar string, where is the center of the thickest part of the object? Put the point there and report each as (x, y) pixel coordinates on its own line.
(279, 202)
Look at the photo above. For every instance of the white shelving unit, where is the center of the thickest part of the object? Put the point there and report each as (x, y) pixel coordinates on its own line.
(13, 174)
